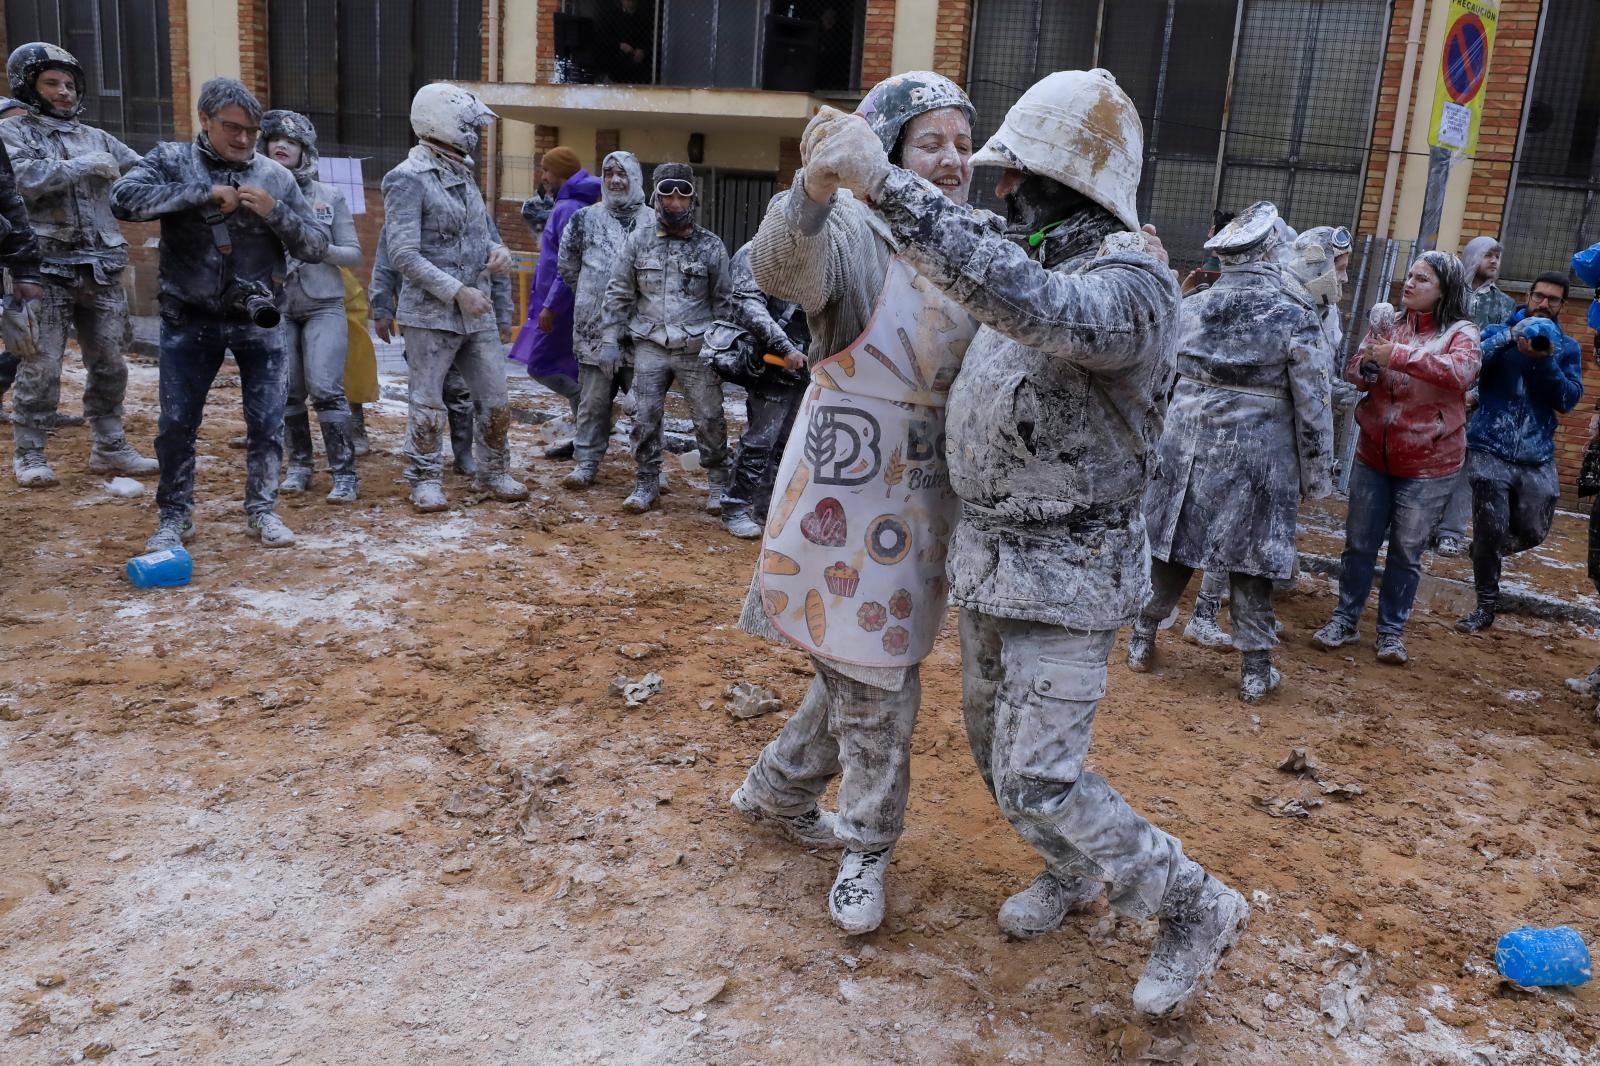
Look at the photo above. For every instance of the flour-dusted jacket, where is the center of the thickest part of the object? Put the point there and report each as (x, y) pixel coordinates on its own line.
(1056, 410)
(666, 290)
(438, 235)
(69, 201)
(1413, 419)
(590, 246)
(1249, 429)
(173, 183)
(319, 282)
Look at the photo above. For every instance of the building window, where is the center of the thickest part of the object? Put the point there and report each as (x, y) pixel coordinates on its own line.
(126, 56)
(1553, 211)
(352, 67)
(788, 45)
(1301, 76)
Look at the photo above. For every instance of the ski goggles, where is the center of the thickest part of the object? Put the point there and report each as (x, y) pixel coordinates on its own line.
(674, 187)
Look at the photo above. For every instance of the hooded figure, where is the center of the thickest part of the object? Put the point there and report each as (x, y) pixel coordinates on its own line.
(589, 249)
(1248, 432)
(544, 344)
(64, 171)
(1487, 305)
(1051, 426)
(316, 330)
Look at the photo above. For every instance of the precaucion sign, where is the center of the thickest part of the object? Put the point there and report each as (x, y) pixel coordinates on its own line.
(1463, 69)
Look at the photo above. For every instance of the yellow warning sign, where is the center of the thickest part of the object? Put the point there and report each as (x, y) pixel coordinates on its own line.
(1463, 70)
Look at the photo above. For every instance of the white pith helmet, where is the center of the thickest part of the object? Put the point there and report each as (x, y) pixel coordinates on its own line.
(1079, 128)
(449, 115)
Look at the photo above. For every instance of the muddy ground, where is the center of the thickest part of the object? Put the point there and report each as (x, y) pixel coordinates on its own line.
(369, 799)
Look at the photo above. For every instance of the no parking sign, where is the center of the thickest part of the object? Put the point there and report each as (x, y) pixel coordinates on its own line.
(1463, 69)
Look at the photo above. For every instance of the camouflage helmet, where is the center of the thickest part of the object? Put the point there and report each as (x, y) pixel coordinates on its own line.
(28, 61)
(899, 98)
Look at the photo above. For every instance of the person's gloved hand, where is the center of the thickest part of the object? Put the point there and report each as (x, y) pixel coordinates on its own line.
(1537, 329)
(500, 260)
(103, 164)
(610, 358)
(842, 149)
(472, 302)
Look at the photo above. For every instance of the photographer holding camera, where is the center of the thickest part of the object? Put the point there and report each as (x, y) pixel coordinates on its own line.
(1532, 374)
(227, 217)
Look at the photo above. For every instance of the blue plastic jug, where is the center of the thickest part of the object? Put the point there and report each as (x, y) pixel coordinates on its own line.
(164, 569)
(1537, 958)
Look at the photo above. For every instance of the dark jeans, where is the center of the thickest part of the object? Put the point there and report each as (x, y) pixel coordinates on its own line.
(770, 416)
(192, 349)
(1250, 607)
(1402, 511)
(1513, 505)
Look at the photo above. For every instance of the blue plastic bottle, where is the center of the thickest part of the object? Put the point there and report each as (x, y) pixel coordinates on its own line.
(1537, 958)
(164, 569)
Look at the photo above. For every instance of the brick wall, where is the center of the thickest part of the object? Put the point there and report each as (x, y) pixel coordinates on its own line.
(545, 48)
(877, 46)
(950, 39)
(1509, 70)
(1391, 110)
(178, 41)
(254, 66)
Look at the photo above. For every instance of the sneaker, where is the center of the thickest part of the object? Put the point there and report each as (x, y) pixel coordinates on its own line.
(581, 476)
(813, 829)
(742, 524)
(1199, 922)
(296, 480)
(1480, 619)
(269, 529)
(171, 533)
(1204, 631)
(502, 487)
(1045, 903)
(1258, 678)
(345, 489)
(116, 457)
(1451, 546)
(1392, 650)
(32, 470)
(1336, 634)
(1141, 647)
(646, 491)
(856, 901)
(427, 497)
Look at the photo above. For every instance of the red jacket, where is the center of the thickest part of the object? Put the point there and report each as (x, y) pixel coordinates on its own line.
(1414, 417)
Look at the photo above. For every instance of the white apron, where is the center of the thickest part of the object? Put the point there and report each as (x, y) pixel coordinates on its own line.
(853, 564)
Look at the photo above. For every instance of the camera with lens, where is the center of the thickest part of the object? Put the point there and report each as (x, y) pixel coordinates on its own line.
(254, 301)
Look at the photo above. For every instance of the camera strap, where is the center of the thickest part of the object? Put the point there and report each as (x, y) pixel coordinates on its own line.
(222, 237)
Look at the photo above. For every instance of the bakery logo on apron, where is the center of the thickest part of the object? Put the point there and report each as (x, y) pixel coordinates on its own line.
(842, 446)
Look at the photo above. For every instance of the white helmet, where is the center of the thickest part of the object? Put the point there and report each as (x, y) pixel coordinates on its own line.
(448, 114)
(1080, 128)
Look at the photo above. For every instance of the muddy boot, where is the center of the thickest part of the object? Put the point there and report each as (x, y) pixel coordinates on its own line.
(581, 476)
(646, 490)
(1045, 903)
(297, 472)
(1258, 677)
(358, 431)
(1200, 918)
(856, 901)
(269, 529)
(427, 497)
(341, 448)
(1482, 616)
(719, 478)
(173, 532)
(109, 452)
(812, 829)
(32, 471)
(1141, 646)
(1202, 628)
(1392, 650)
(741, 524)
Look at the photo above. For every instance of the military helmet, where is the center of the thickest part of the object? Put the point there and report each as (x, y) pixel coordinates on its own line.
(28, 61)
(898, 99)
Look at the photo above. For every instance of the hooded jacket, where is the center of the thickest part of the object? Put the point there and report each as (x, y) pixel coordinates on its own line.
(1586, 265)
(551, 353)
(589, 248)
(1519, 397)
(1487, 304)
(315, 283)
(68, 197)
(1413, 419)
(173, 184)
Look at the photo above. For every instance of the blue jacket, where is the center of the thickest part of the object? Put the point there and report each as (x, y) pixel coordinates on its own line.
(1519, 398)
(1586, 264)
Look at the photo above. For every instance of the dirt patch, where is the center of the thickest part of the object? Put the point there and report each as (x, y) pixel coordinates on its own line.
(370, 799)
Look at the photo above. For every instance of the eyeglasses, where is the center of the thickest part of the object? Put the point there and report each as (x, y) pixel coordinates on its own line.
(233, 129)
(674, 187)
(1341, 240)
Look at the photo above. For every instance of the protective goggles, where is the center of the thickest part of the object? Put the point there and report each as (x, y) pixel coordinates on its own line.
(674, 187)
(1341, 241)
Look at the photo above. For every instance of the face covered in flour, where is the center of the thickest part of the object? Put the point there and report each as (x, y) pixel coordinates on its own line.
(937, 145)
(621, 183)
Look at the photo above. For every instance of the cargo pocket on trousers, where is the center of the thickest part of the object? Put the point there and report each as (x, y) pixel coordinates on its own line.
(1056, 718)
